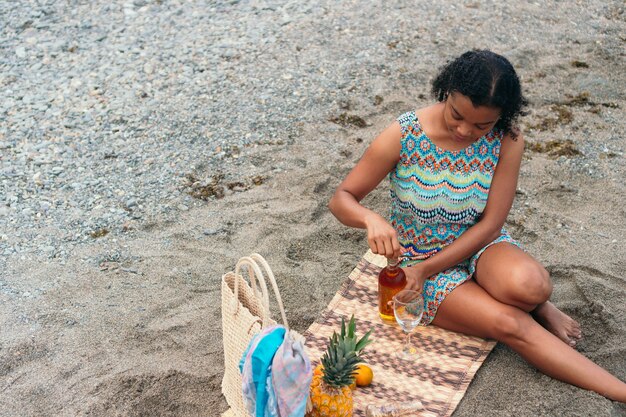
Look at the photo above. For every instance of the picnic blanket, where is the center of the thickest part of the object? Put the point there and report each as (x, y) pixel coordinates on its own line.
(438, 378)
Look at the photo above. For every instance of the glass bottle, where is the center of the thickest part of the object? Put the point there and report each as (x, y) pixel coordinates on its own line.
(391, 280)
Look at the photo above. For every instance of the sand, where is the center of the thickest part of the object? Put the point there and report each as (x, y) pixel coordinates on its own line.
(130, 324)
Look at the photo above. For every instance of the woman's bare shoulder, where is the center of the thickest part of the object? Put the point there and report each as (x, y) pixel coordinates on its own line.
(513, 141)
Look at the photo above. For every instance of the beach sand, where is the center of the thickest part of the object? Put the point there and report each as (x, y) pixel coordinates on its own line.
(138, 332)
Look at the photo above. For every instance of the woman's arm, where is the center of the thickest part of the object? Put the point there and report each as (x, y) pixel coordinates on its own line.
(379, 159)
(499, 202)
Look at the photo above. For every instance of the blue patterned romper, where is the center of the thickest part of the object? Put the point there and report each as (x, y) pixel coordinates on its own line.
(436, 195)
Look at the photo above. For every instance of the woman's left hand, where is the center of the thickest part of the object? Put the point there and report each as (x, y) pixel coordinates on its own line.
(414, 278)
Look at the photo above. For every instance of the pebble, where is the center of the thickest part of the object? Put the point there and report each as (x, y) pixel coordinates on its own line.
(148, 68)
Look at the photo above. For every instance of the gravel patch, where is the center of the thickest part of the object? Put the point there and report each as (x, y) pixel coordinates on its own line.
(106, 108)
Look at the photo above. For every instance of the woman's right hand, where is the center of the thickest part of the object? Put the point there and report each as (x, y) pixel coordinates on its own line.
(382, 237)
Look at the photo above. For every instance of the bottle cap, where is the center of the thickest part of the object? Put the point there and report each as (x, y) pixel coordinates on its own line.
(393, 261)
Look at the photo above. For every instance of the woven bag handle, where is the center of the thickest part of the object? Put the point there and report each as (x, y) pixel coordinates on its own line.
(272, 279)
(256, 274)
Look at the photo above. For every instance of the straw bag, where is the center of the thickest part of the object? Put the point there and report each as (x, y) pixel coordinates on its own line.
(245, 311)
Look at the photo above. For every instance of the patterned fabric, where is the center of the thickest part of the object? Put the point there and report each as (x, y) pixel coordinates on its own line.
(437, 287)
(255, 367)
(276, 373)
(436, 195)
(291, 376)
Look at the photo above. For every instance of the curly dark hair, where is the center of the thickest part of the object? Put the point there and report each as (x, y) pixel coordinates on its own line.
(488, 79)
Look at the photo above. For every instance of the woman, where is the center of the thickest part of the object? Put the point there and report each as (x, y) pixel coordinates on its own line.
(453, 169)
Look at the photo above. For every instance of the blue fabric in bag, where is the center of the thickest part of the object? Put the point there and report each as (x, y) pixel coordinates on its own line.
(261, 360)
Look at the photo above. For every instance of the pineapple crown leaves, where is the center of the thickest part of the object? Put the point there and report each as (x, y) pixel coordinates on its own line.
(350, 336)
(339, 366)
(343, 354)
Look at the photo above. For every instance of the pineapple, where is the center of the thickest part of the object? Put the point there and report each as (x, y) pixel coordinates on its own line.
(330, 394)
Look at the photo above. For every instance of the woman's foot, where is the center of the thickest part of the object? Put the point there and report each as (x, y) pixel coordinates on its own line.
(560, 324)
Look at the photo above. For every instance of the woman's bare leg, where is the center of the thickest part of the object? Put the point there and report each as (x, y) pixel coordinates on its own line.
(471, 310)
(513, 277)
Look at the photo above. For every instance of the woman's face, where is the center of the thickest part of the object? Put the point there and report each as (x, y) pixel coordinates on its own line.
(466, 123)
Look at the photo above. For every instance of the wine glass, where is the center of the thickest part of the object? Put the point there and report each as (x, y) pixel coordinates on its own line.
(408, 307)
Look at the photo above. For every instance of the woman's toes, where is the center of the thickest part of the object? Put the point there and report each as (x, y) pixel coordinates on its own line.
(563, 336)
(575, 330)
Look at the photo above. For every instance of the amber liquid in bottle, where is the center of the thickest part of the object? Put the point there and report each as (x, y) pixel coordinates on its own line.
(391, 280)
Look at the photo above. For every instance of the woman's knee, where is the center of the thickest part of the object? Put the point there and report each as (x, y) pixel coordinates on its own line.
(531, 283)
